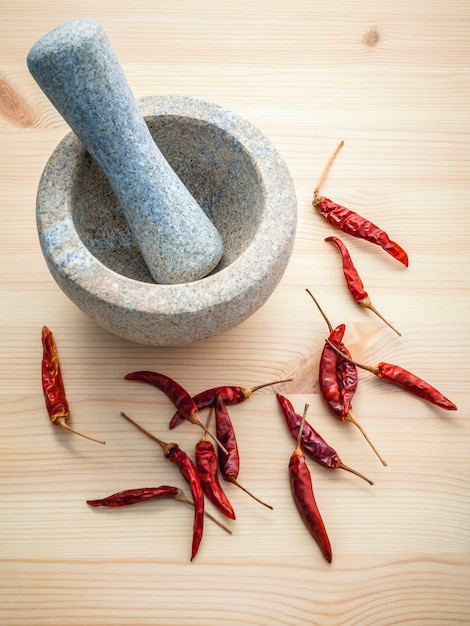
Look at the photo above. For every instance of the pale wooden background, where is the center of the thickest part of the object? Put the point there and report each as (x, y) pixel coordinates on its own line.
(392, 80)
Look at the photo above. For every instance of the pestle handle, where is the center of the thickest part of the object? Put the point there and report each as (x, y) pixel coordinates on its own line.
(79, 72)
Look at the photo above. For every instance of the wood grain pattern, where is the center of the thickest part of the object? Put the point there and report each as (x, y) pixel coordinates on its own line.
(391, 79)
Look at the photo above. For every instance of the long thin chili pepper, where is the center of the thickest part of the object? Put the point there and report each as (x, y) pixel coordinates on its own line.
(406, 380)
(53, 385)
(229, 463)
(302, 492)
(134, 496)
(173, 452)
(354, 282)
(208, 468)
(176, 393)
(352, 223)
(312, 442)
(338, 379)
(231, 394)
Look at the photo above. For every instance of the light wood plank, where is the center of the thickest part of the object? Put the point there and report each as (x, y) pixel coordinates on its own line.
(391, 79)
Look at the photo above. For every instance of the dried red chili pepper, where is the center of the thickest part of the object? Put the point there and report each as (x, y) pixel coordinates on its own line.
(338, 389)
(302, 492)
(352, 223)
(176, 393)
(231, 394)
(229, 463)
(312, 442)
(174, 453)
(208, 467)
(338, 378)
(134, 496)
(330, 383)
(328, 372)
(354, 282)
(53, 385)
(406, 380)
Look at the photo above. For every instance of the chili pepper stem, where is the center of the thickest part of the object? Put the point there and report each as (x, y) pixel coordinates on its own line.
(61, 422)
(352, 418)
(370, 368)
(316, 193)
(209, 417)
(353, 471)
(213, 437)
(233, 480)
(298, 447)
(183, 498)
(366, 303)
(251, 390)
(206, 436)
(166, 447)
(330, 327)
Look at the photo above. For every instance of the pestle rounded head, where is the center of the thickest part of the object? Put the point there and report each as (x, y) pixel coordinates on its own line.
(77, 68)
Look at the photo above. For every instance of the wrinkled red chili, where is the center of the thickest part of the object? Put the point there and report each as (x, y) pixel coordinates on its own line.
(338, 383)
(352, 223)
(133, 496)
(312, 442)
(175, 392)
(229, 463)
(173, 452)
(231, 394)
(53, 385)
(338, 378)
(207, 467)
(347, 381)
(407, 381)
(354, 282)
(302, 493)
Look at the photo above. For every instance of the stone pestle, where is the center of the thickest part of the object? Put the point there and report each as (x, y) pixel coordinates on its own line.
(77, 68)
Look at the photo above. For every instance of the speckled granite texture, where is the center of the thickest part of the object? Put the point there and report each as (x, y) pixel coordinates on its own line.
(238, 178)
(78, 70)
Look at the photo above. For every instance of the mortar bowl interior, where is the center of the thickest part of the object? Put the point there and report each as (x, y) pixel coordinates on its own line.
(236, 176)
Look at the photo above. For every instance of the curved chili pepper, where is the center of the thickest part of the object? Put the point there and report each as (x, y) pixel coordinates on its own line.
(233, 394)
(176, 393)
(338, 378)
(302, 492)
(229, 463)
(207, 468)
(354, 282)
(312, 442)
(352, 223)
(53, 385)
(173, 452)
(407, 381)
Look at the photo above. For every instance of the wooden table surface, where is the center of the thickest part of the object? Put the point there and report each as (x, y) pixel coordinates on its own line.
(392, 80)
